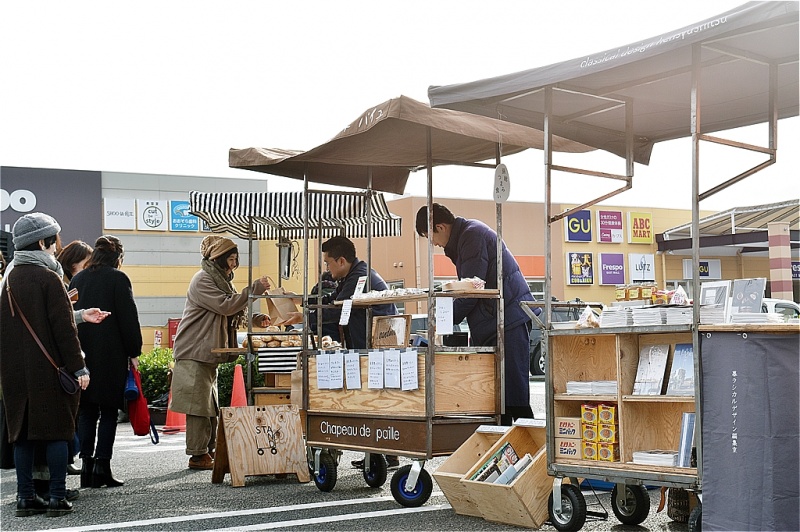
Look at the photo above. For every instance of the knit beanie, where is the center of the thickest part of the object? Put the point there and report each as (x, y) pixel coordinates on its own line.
(32, 228)
(214, 246)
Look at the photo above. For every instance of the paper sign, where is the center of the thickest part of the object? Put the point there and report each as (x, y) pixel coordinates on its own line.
(444, 315)
(502, 184)
(347, 307)
(375, 374)
(323, 370)
(336, 378)
(352, 369)
(391, 368)
(408, 370)
(362, 281)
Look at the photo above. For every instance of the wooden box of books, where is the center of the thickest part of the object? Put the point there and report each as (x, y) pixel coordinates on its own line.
(510, 485)
(448, 475)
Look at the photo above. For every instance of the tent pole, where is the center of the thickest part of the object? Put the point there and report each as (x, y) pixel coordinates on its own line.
(695, 131)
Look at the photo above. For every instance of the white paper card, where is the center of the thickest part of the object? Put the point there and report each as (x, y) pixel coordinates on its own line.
(347, 306)
(336, 378)
(408, 370)
(375, 374)
(362, 281)
(391, 368)
(323, 370)
(444, 315)
(352, 368)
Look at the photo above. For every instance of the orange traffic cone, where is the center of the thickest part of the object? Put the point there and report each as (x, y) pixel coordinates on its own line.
(238, 395)
(175, 422)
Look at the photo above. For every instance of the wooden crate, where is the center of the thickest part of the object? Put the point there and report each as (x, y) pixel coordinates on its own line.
(449, 475)
(278, 380)
(523, 502)
(270, 396)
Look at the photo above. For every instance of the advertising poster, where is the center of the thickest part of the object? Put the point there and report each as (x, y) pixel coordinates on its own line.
(640, 228)
(119, 213)
(151, 215)
(179, 217)
(578, 226)
(580, 268)
(609, 227)
(612, 268)
(642, 267)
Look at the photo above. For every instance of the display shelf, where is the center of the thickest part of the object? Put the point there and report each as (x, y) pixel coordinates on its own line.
(658, 399)
(473, 294)
(584, 397)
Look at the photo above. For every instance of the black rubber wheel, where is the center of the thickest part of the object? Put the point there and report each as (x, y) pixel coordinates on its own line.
(538, 361)
(696, 519)
(376, 476)
(416, 497)
(573, 509)
(326, 479)
(636, 506)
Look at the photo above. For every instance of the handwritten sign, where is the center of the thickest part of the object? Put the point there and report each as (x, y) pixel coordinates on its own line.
(344, 317)
(390, 331)
(375, 373)
(391, 368)
(362, 281)
(352, 369)
(444, 315)
(336, 377)
(323, 370)
(408, 370)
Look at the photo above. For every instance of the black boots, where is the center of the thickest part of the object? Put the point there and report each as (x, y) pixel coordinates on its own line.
(87, 465)
(27, 507)
(59, 507)
(101, 474)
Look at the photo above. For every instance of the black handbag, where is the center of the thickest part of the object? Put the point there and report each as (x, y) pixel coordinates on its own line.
(68, 383)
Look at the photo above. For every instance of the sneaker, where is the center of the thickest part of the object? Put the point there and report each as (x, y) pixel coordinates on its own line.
(59, 507)
(26, 507)
(392, 462)
(202, 462)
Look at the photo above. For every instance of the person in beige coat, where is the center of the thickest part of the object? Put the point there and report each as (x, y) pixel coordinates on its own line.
(213, 313)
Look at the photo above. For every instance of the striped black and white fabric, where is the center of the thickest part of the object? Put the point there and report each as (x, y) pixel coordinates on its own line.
(276, 360)
(272, 215)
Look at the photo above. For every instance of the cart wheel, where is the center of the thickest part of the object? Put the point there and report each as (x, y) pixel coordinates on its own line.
(416, 497)
(326, 479)
(696, 519)
(636, 506)
(573, 509)
(376, 476)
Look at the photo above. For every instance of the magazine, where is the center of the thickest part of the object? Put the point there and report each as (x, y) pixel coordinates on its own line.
(681, 375)
(686, 441)
(651, 370)
(748, 295)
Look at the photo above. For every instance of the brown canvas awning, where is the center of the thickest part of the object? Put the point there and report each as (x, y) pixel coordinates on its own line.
(390, 140)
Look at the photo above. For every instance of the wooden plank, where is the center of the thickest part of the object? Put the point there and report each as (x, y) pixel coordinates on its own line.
(464, 383)
(383, 435)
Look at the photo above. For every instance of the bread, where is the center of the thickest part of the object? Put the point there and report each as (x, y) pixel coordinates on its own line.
(274, 343)
(273, 328)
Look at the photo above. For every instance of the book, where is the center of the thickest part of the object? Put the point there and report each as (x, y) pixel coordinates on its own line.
(681, 374)
(499, 462)
(656, 457)
(651, 369)
(747, 295)
(686, 440)
(514, 470)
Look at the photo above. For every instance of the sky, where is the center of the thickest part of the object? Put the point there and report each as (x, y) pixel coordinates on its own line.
(169, 87)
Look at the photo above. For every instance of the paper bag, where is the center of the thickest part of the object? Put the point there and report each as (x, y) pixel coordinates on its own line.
(279, 308)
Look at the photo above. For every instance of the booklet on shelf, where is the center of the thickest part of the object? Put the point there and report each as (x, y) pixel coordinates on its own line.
(681, 374)
(651, 370)
(686, 441)
(656, 457)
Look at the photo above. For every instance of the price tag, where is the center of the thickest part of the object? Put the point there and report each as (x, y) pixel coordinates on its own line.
(502, 185)
(347, 307)
(362, 281)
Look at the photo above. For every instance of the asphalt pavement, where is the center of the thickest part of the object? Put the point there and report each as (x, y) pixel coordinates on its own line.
(161, 493)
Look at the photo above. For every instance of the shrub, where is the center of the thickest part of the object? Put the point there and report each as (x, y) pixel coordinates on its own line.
(154, 367)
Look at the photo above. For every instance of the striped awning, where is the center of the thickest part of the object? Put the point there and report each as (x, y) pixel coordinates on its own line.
(269, 216)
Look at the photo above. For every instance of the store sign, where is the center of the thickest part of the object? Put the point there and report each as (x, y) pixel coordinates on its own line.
(375, 433)
(709, 269)
(612, 268)
(578, 226)
(580, 268)
(640, 228)
(609, 227)
(119, 213)
(642, 267)
(795, 270)
(179, 217)
(151, 215)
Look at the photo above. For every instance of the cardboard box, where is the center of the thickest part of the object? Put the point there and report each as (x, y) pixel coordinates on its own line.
(589, 432)
(588, 450)
(568, 448)
(608, 452)
(607, 433)
(606, 414)
(568, 427)
(589, 413)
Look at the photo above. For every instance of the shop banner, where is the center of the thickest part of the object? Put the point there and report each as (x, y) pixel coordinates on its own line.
(612, 268)
(709, 269)
(640, 228)
(151, 215)
(580, 269)
(119, 213)
(642, 266)
(179, 217)
(609, 227)
(578, 226)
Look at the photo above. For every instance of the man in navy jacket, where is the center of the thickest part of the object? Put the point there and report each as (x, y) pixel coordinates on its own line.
(472, 246)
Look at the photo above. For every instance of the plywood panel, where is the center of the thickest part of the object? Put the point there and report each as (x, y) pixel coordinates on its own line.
(464, 383)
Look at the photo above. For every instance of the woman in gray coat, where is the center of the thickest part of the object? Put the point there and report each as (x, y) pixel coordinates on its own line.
(213, 313)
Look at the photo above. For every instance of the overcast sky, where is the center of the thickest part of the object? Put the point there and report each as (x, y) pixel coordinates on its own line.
(169, 87)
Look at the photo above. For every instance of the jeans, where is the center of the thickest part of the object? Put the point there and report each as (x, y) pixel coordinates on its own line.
(56, 452)
(105, 432)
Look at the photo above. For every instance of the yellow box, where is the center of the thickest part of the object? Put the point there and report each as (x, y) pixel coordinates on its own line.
(568, 448)
(568, 427)
(606, 414)
(608, 452)
(607, 433)
(589, 432)
(588, 450)
(589, 413)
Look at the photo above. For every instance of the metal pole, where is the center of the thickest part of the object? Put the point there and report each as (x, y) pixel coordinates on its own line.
(695, 131)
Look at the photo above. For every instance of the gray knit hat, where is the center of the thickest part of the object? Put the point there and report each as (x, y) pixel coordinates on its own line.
(32, 228)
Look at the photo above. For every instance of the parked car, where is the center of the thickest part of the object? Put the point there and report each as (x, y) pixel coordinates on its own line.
(789, 309)
(561, 311)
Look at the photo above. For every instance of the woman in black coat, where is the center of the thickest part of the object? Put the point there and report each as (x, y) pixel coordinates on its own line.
(110, 347)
